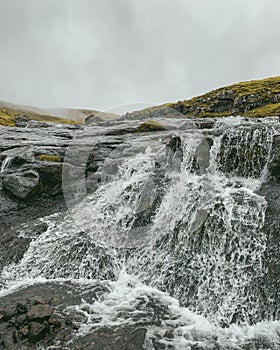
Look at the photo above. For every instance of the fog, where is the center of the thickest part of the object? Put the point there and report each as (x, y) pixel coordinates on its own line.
(99, 54)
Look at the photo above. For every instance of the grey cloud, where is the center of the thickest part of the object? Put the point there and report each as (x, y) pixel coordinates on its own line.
(96, 53)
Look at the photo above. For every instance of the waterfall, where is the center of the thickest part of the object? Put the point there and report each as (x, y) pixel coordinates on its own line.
(181, 219)
(5, 164)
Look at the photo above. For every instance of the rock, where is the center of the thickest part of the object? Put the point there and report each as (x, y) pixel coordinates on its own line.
(21, 120)
(226, 94)
(51, 178)
(202, 157)
(21, 184)
(21, 308)
(8, 339)
(24, 331)
(113, 338)
(37, 331)
(39, 312)
(12, 245)
(276, 98)
(54, 321)
(174, 153)
(7, 313)
(39, 300)
(147, 196)
(150, 125)
(274, 163)
(20, 319)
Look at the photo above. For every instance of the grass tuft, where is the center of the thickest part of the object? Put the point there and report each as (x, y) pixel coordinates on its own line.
(49, 158)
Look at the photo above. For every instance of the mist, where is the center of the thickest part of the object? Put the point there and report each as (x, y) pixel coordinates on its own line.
(100, 54)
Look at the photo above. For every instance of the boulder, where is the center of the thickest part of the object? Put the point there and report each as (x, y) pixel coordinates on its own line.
(21, 120)
(21, 184)
(274, 163)
(226, 94)
(37, 331)
(39, 312)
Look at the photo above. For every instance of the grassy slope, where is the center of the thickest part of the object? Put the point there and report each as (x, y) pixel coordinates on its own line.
(262, 88)
(7, 117)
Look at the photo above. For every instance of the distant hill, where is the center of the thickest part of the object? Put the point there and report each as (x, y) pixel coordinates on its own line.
(256, 98)
(9, 111)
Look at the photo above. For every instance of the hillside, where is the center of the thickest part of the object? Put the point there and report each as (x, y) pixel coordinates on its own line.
(9, 113)
(256, 98)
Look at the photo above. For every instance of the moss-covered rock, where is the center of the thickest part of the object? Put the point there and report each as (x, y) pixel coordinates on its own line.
(49, 158)
(150, 125)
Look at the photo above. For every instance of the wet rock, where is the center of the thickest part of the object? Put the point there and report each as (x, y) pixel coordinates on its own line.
(21, 184)
(150, 125)
(8, 339)
(202, 157)
(21, 308)
(21, 120)
(274, 163)
(39, 312)
(20, 319)
(7, 312)
(37, 331)
(15, 241)
(113, 338)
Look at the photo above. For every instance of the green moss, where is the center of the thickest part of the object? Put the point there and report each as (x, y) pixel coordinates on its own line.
(7, 118)
(49, 158)
(150, 125)
(262, 89)
(49, 118)
(254, 87)
(268, 110)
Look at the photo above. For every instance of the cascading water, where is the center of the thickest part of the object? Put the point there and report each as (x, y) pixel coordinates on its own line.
(180, 215)
(5, 164)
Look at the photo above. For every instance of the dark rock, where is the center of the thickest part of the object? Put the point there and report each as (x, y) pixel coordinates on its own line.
(20, 319)
(8, 338)
(21, 184)
(13, 246)
(4, 326)
(7, 312)
(37, 331)
(274, 163)
(21, 308)
(54, 321)
(113, 338)
(39, 312)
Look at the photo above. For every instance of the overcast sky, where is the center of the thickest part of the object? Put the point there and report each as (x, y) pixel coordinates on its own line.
(103, 53)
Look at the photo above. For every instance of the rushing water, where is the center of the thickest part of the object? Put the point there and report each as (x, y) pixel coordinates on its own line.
(5, 164)
(179, 222)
